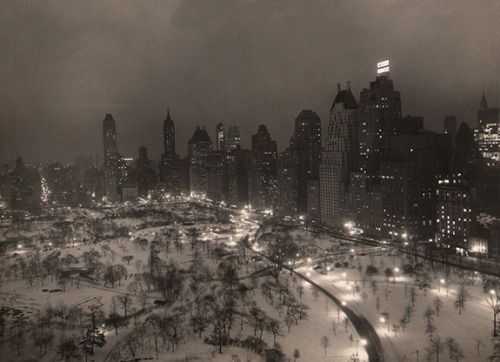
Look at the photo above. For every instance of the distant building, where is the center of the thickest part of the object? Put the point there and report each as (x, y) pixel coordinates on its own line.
(313, 203)
(199, 148)
(287, 183)
(488, 191)
(130, 192)
(216, 166)
(220, 137)
(363, 204)
(455, 214)
(306, 143)
(111, 159)
(25, 186)
(409, 183)
(146, 175)
(263, 193)
(450, 127)
(233, 137)
(380, 114)
(339, 157)
(170, 164)
(487, 134)
(62, 182)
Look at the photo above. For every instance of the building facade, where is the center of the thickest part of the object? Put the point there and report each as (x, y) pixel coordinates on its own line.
(111, 160)
(263, 190)
(306, 144)
(339, 157)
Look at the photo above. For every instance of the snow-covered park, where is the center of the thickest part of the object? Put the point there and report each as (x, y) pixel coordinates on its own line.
(181, 282)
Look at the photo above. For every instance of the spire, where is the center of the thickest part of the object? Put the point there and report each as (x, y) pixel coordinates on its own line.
(484, 103)
(168, 114)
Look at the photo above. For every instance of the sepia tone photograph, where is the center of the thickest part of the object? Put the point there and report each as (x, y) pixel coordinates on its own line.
(250, 180)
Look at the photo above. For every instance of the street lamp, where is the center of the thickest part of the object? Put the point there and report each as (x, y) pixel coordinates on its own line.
(441, 281)
(361, 341)
(345, 276)
(396, 270)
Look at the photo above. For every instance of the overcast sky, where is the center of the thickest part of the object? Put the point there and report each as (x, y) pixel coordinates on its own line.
(65, 64)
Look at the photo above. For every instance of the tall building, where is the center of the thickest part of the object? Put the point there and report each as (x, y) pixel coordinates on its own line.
(450, 127)
(455, 213)
(216, 166)
(306, 143)
(339, 157)
(199, 148)
(220, 137)
(170, 164)
(287, 183)
(146, 175)
(111, 159)
(264, 170)
(487, 134)
(380, 113)
(409, 182)
(168, 135)
(25, 186)
(233, 137)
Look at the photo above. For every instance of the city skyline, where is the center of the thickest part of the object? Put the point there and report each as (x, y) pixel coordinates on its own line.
(70, 65)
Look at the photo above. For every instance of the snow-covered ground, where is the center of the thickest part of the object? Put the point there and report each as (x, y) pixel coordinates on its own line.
(346, 279)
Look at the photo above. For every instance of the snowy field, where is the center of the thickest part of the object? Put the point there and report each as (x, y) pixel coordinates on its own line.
(413, 310)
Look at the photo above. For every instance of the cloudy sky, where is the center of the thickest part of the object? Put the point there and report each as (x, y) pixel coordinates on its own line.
(65, 64)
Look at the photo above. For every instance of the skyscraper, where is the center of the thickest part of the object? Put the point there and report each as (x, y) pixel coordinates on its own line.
(306, 143)
(199, 148)
(233, 137)
(170, 165)
(168, 135)
(146, 176)
(380, 112)
(220, 137)
(111, 159)
(487, 134)
(264, 169)
(287, 183)
(339, 156)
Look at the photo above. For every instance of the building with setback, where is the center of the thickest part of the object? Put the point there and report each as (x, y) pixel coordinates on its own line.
(112, 160)
(487, 133)
(379, 112)
(339, 157)
(170, 164)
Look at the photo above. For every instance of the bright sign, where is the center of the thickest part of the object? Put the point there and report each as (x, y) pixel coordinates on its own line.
(383, 64)
(383, 67)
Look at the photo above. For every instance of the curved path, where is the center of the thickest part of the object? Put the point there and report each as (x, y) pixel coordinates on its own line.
(363, 327)
(360, 323)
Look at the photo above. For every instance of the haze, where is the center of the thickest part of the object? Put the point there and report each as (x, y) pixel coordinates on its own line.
(65, 64)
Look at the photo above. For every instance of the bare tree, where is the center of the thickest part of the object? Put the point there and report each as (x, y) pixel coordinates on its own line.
(67, 349)
(462, 298)
(274, 326)
(289, 320)
(126, 301)
(325, 342)
(438, 305)
(437, 346)
(19, 327)
(494, 302)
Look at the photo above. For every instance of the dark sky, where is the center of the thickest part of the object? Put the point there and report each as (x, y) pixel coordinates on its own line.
(64, 64)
